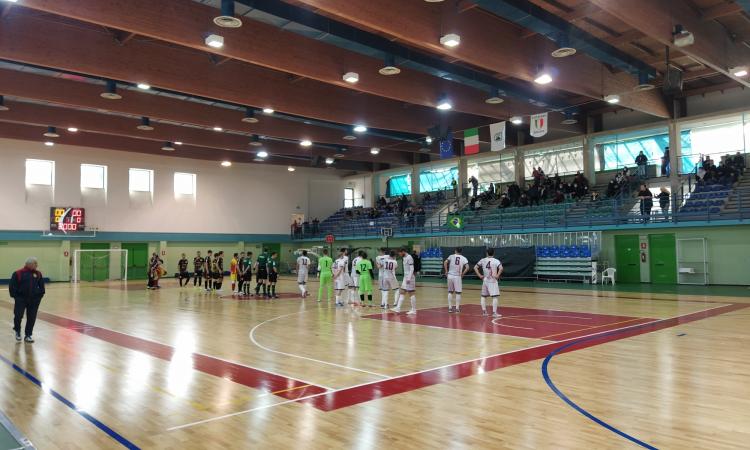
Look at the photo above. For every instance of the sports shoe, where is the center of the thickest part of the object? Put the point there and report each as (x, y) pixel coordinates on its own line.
(411, 312)
(18, 337)
(396, 310)
(28, 339)
(450, 309)
(497, 316)
(456, 310)
(484, 313)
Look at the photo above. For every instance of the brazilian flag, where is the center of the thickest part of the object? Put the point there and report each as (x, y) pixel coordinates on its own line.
(455, 221)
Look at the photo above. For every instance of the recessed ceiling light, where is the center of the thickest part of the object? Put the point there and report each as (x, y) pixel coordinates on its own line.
(73, 129)
(226, 164)
(167, 147)
(268, 111)
(329, 161)
(110, 92)
(349, 137)
(305, 143)
(360, 128)
(351, 77)
(2, 104)
(250, 116)
(49, 143)
(144, 86)
(291, 169)
(375, 150)
(51, 132)
(145, 124)
(262, 154)
(612, 98)
(215, 41)
(177, 142)
(516, 120)
(444, 104)
(227, 18)
(569, 119)
(563, 52)
(450, 40)
(218, 129)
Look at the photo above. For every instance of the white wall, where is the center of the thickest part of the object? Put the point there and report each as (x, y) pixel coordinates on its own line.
(242, 199)
(362, 185)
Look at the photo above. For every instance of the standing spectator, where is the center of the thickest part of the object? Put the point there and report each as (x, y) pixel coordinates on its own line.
(454, 185)
(641, 161)
(316, 225)
(27, 289)
(533, 195)
(474, 185)
(665, 163)
(647, 202)
(663, 199)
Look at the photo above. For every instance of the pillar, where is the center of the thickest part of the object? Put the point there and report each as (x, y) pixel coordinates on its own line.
(520, 169)
(589, 166)
(414, 183)
(375, 188)
(463, 176)
(675, 156)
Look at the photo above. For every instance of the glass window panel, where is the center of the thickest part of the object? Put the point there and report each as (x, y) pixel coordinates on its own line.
(40, 172)
(184, 183)
(141, 180)
(93, 176)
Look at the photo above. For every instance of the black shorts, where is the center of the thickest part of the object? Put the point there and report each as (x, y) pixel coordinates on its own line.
(261, 275)
(184, 274)
(216, 275)
(247, 276)
(198, 273)
(273, 277)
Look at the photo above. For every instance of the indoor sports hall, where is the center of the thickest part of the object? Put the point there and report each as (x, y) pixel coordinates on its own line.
(374, 224)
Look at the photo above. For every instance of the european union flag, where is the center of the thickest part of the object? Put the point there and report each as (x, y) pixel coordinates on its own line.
(446, 147)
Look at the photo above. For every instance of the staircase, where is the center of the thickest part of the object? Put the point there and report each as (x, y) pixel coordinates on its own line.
(740, 196)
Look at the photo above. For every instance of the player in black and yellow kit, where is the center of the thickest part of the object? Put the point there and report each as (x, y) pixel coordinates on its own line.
(209, 267)
(183, 274)
(261, 273)
(218, 274)
(273, 274)
(198, 263)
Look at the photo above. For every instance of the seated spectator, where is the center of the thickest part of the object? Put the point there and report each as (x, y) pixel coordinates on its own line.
(558, 197)
(504, 201)
(524, 200)
(533, 195)
(595, 196)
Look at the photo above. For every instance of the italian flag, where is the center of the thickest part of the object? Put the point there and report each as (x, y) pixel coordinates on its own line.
(471, 141)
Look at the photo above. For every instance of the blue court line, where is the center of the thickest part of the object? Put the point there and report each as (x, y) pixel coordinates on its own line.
(545, 374)
(112, 433)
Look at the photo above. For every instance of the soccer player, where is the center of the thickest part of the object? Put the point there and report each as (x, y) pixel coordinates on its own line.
(354, 285)
(198, 263)
(240, 272)
(273, 274)
(218, 274)
(182, 265)
(247, 275)
(303, 264)
(261, 273)
(340, 276)
(409, 284)
(387, 279)
(364, 273)
(209, 263)
(325, 269)
(491, 268)
(455, 267)
(233, 272)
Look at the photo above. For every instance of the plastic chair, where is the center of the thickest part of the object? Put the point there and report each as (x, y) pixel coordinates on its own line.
(609, 274)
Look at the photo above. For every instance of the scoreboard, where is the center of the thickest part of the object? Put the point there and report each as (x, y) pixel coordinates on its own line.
(66, 220)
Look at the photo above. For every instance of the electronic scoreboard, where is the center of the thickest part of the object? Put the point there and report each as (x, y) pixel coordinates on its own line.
(66, 220)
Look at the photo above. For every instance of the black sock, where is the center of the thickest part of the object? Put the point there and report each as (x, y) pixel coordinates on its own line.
(273, 290)
(265, 290)
(369, 297)
(362, 298)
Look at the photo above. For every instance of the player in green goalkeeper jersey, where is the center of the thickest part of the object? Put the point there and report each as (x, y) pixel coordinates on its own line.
(325, 265)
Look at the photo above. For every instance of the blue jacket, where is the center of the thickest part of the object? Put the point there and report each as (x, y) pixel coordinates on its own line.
(26, 284)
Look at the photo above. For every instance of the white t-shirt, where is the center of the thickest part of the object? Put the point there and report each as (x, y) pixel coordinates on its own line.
(490, 267)
(354, 266)
(408, 267)
(303, 264)
(389, 267)
(456, 264)
(339, 266)
(379, 261)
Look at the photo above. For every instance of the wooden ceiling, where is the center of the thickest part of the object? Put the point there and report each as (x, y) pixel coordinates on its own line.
(58, 54)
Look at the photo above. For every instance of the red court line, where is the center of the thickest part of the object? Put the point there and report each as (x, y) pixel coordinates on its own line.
(288, 388)
(406, 383)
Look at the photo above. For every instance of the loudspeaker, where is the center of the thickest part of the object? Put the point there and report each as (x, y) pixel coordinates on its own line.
(672, 81)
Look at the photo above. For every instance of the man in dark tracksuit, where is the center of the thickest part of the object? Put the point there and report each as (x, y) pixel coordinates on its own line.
(27, 289)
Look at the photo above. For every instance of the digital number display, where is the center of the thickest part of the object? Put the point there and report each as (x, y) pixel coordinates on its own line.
(66, 220)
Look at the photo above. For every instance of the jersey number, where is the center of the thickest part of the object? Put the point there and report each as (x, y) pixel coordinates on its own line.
(458, 261)
(389, 265)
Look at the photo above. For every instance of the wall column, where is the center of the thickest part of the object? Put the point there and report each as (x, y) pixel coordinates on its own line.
(520, 169)
(589, 153)
(675, 156)
(375, 188)
(414, 183)
(463, 176)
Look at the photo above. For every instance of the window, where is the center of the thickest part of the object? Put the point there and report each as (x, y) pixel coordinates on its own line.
(399, 185)
(141, 180)
(716, 138)
(561, 160)
(93, 176)
(348, 198)
(437, 179)
(40, 172)
(184, 183)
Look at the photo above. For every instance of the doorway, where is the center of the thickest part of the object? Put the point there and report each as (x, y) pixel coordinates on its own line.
(94, 266)
(137, 260)
(627, 259)
(663, 254)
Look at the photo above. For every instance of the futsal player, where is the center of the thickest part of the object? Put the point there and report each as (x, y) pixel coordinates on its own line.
(364, 274)
(247, 275)
(325, 269)
(491, 268)
(261, 273)
(218, 274)
(208, 272)
(198, 263)
(408, 285)
(387, 279)
(455, 267)
(233, 272)
(273, 274)
(183, 274)
(340, 275)
(240, 272)
(303, 264)
(354, 286)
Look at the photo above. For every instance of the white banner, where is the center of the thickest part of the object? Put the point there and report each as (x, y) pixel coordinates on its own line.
(538, 125)
(497, 136)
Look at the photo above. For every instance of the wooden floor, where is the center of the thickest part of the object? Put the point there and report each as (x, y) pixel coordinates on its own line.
(118, 366)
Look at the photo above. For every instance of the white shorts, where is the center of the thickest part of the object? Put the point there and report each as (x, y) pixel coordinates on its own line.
(409, 284)
(302, 278)
(388, 283)
(340, 283)
(354, 281)
(455, 283)
(347, 278)
(490, 289)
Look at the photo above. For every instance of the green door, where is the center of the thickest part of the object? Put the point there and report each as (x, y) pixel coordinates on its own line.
(137, 260)
(663, 256)
(94, 266)
(627, 259)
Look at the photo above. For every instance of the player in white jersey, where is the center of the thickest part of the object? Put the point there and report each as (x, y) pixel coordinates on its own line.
(491, 269)
(303, 265)
(354, 285)
(409, 284)
(387, 278)
(339, 278)
(455, 267)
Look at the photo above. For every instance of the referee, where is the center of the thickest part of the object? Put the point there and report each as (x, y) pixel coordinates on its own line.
(27, 289)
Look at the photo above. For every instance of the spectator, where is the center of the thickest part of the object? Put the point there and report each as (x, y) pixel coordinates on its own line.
(26, 287)
(491, 191)
(524, 200)
(454, 185)
(641, 161)
(665, 163)
(504, 201)
(595, 196)
(739, 162)
(533, 195)
(558, 198)
(647, 202)
(427, 198)
(421, 217)
(613, 188)
(663, 199)
(474, 185)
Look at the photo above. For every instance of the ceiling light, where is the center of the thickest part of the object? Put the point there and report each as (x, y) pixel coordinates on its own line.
(262, 154)
(494, 97)
(389, 67)
(450, 40)
(444, 104)
(612, 98)
(643, 82)
(226, 164)
(305, 143)
(73, 129)
(374, 150)
(144, 86)
(338, 155)
(145, 124)
(739, 71)
(2, 104)
(51, 132)
(291, 169)
(682, 37)
(227, 18)
(569, 119)
(255, 141)
(349, 137)
(110, 92)
(428, 139)
(425, 150)
(215, 41)
(49, 143)
(360, 128)
(329, 161)
(516, 120)
(563, 47)
(11, 1)
(433, 1)
(218, 129)
(167, 147)
(249, 116)
(351, 77)
(542, 76)
(177, 142)
(268, 111)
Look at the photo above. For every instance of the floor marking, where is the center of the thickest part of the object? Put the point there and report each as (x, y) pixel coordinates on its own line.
(292, 355)
(601, 326)
(494, 322)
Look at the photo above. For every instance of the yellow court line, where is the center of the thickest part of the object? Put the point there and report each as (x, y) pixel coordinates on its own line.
(597, 326)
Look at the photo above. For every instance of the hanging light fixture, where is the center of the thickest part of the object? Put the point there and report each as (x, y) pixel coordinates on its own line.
(450, 40)
(49, 143)
(143, 86)
(569, 119)
(516, 120)
(329, 161)
(612, 99)
(215, 41)
(250, 116)
(360, 128)
(291, 169)
(305, 143)
(167, 147)
(110, 91)
(226, 164)
(255, 141)
(494, 97)
(268, 110)
(262, 154)
(51, 132)
(389, 66)
(227, 18)
(444, 104)
(145, 124)
(543, 76)
(351, 77)
(375, 151)
(72, 130)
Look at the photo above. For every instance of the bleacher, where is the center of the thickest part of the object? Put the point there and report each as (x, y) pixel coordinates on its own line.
(705, 200)
(564, 262)
(543, 215)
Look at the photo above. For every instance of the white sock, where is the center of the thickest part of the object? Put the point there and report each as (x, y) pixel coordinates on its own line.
(483, 300)
(338, 298)
(494, 305)
(450, 300)
(413, 302)
(384, 298)
(400, 301)
(458, 300)
(302, 288)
